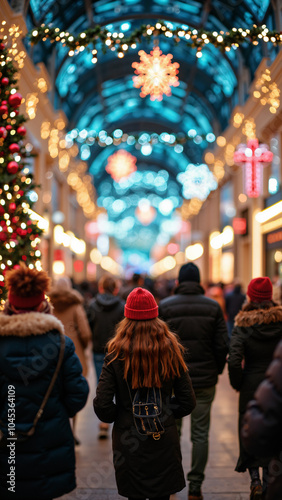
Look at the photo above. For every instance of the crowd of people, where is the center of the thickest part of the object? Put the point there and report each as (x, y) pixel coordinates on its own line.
(158, 350)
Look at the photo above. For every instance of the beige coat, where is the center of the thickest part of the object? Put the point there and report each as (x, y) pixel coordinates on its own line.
(69, 310)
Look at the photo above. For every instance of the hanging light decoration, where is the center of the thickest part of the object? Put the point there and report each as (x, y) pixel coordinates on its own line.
(252, 155)
(121, 164)
(156, 74)
(197, 181)
(145, 213)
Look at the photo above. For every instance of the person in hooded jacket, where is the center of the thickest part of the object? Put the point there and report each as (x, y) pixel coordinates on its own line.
(199, 323)
(104, 312)
(68, 308)
(257, 331)
(30, 344)
(144, 354)
(262, 425)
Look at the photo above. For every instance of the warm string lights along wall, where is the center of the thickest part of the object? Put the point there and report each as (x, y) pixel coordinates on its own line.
(103, 39)
(267, 91)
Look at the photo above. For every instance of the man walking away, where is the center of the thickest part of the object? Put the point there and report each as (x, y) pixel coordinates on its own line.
(104, 313)
(199, 322)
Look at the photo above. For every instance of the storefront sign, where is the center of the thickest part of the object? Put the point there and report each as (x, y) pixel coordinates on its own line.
(239, 225)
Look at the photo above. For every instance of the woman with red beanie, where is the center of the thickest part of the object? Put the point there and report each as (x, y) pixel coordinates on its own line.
(257, 331)
(144, 354)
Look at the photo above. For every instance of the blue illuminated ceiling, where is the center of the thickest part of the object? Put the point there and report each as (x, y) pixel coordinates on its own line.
(102, 97)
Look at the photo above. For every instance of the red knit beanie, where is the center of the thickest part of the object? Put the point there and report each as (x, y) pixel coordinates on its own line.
(140, 305)
(260, 289)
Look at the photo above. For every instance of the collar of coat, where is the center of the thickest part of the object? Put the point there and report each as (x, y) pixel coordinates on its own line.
(189, 288)
(64, 298)
(259, 316)
(31, 323)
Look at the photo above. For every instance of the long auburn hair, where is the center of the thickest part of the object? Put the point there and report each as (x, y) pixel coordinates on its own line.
(149, 351)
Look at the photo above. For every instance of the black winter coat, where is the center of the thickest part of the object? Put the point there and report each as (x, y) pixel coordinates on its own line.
(253, 342)
(104, 313)
(29, 349)
(262, 424)
(199, 323)
(144, 467)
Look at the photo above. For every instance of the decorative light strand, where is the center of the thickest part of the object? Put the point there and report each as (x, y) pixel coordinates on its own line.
(103, 138)
(194, 38)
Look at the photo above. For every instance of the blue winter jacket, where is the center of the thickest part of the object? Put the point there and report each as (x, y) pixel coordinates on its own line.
(45, 463)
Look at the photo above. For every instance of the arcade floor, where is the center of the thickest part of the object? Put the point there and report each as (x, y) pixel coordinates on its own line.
(95, 473)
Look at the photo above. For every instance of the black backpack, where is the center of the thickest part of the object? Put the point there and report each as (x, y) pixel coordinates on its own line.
(146, 409)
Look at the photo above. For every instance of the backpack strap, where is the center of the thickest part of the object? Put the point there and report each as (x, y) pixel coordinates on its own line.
(51, 385)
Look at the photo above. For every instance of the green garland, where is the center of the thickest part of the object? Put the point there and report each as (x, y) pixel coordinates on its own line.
(164, 138)
(118, 41)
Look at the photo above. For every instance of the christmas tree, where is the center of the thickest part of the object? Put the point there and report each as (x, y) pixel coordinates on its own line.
(19, 235)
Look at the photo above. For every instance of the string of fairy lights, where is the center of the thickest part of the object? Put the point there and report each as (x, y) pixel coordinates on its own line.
(103, 39)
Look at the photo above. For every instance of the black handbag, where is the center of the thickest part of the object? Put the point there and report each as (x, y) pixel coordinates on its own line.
(146, 409)
(24, 436)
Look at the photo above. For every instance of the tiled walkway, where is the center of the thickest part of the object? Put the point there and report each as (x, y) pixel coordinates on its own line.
(95, 474)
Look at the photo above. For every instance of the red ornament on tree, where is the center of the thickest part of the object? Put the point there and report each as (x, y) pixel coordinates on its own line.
(3, 132)
(15, 100)
(2, 46)
(14, 148)
(3, 236)
(9, 127)
(3, 109)
(12, 207)
(2, 210)
(12, 167)
(5, 81)
(21, 130)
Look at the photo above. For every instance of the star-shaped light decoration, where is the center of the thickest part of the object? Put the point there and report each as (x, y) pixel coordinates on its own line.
(121, 164)
(156, 74)
(198, 181)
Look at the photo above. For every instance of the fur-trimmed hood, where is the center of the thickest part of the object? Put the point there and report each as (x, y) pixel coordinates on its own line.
(63, 298)
(259, 317)
(31, 323)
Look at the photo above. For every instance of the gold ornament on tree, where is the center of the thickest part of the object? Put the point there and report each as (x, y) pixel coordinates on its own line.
(156, 74)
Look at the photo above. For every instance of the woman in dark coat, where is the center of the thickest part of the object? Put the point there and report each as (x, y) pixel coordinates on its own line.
(144, 353)
(29, 350)
(257, 331)
(262, 424)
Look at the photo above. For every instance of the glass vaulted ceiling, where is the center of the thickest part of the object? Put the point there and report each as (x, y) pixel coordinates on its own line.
(102, 97)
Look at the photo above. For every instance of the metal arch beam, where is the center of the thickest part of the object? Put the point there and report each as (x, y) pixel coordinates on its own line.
(212, 110)
(153, 163)
(121, 73)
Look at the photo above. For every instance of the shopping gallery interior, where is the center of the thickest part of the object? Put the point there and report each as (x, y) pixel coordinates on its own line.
(136, 136)
(150, 136)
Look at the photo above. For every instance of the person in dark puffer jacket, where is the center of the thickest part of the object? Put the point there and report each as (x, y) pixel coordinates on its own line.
(262, 425)
(29, 349)
(257, 331)
(199, 323)
(104, 313)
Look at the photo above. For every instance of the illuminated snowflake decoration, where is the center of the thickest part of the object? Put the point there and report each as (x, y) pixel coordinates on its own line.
(197, 181)
(121, 164)
(156, 74)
